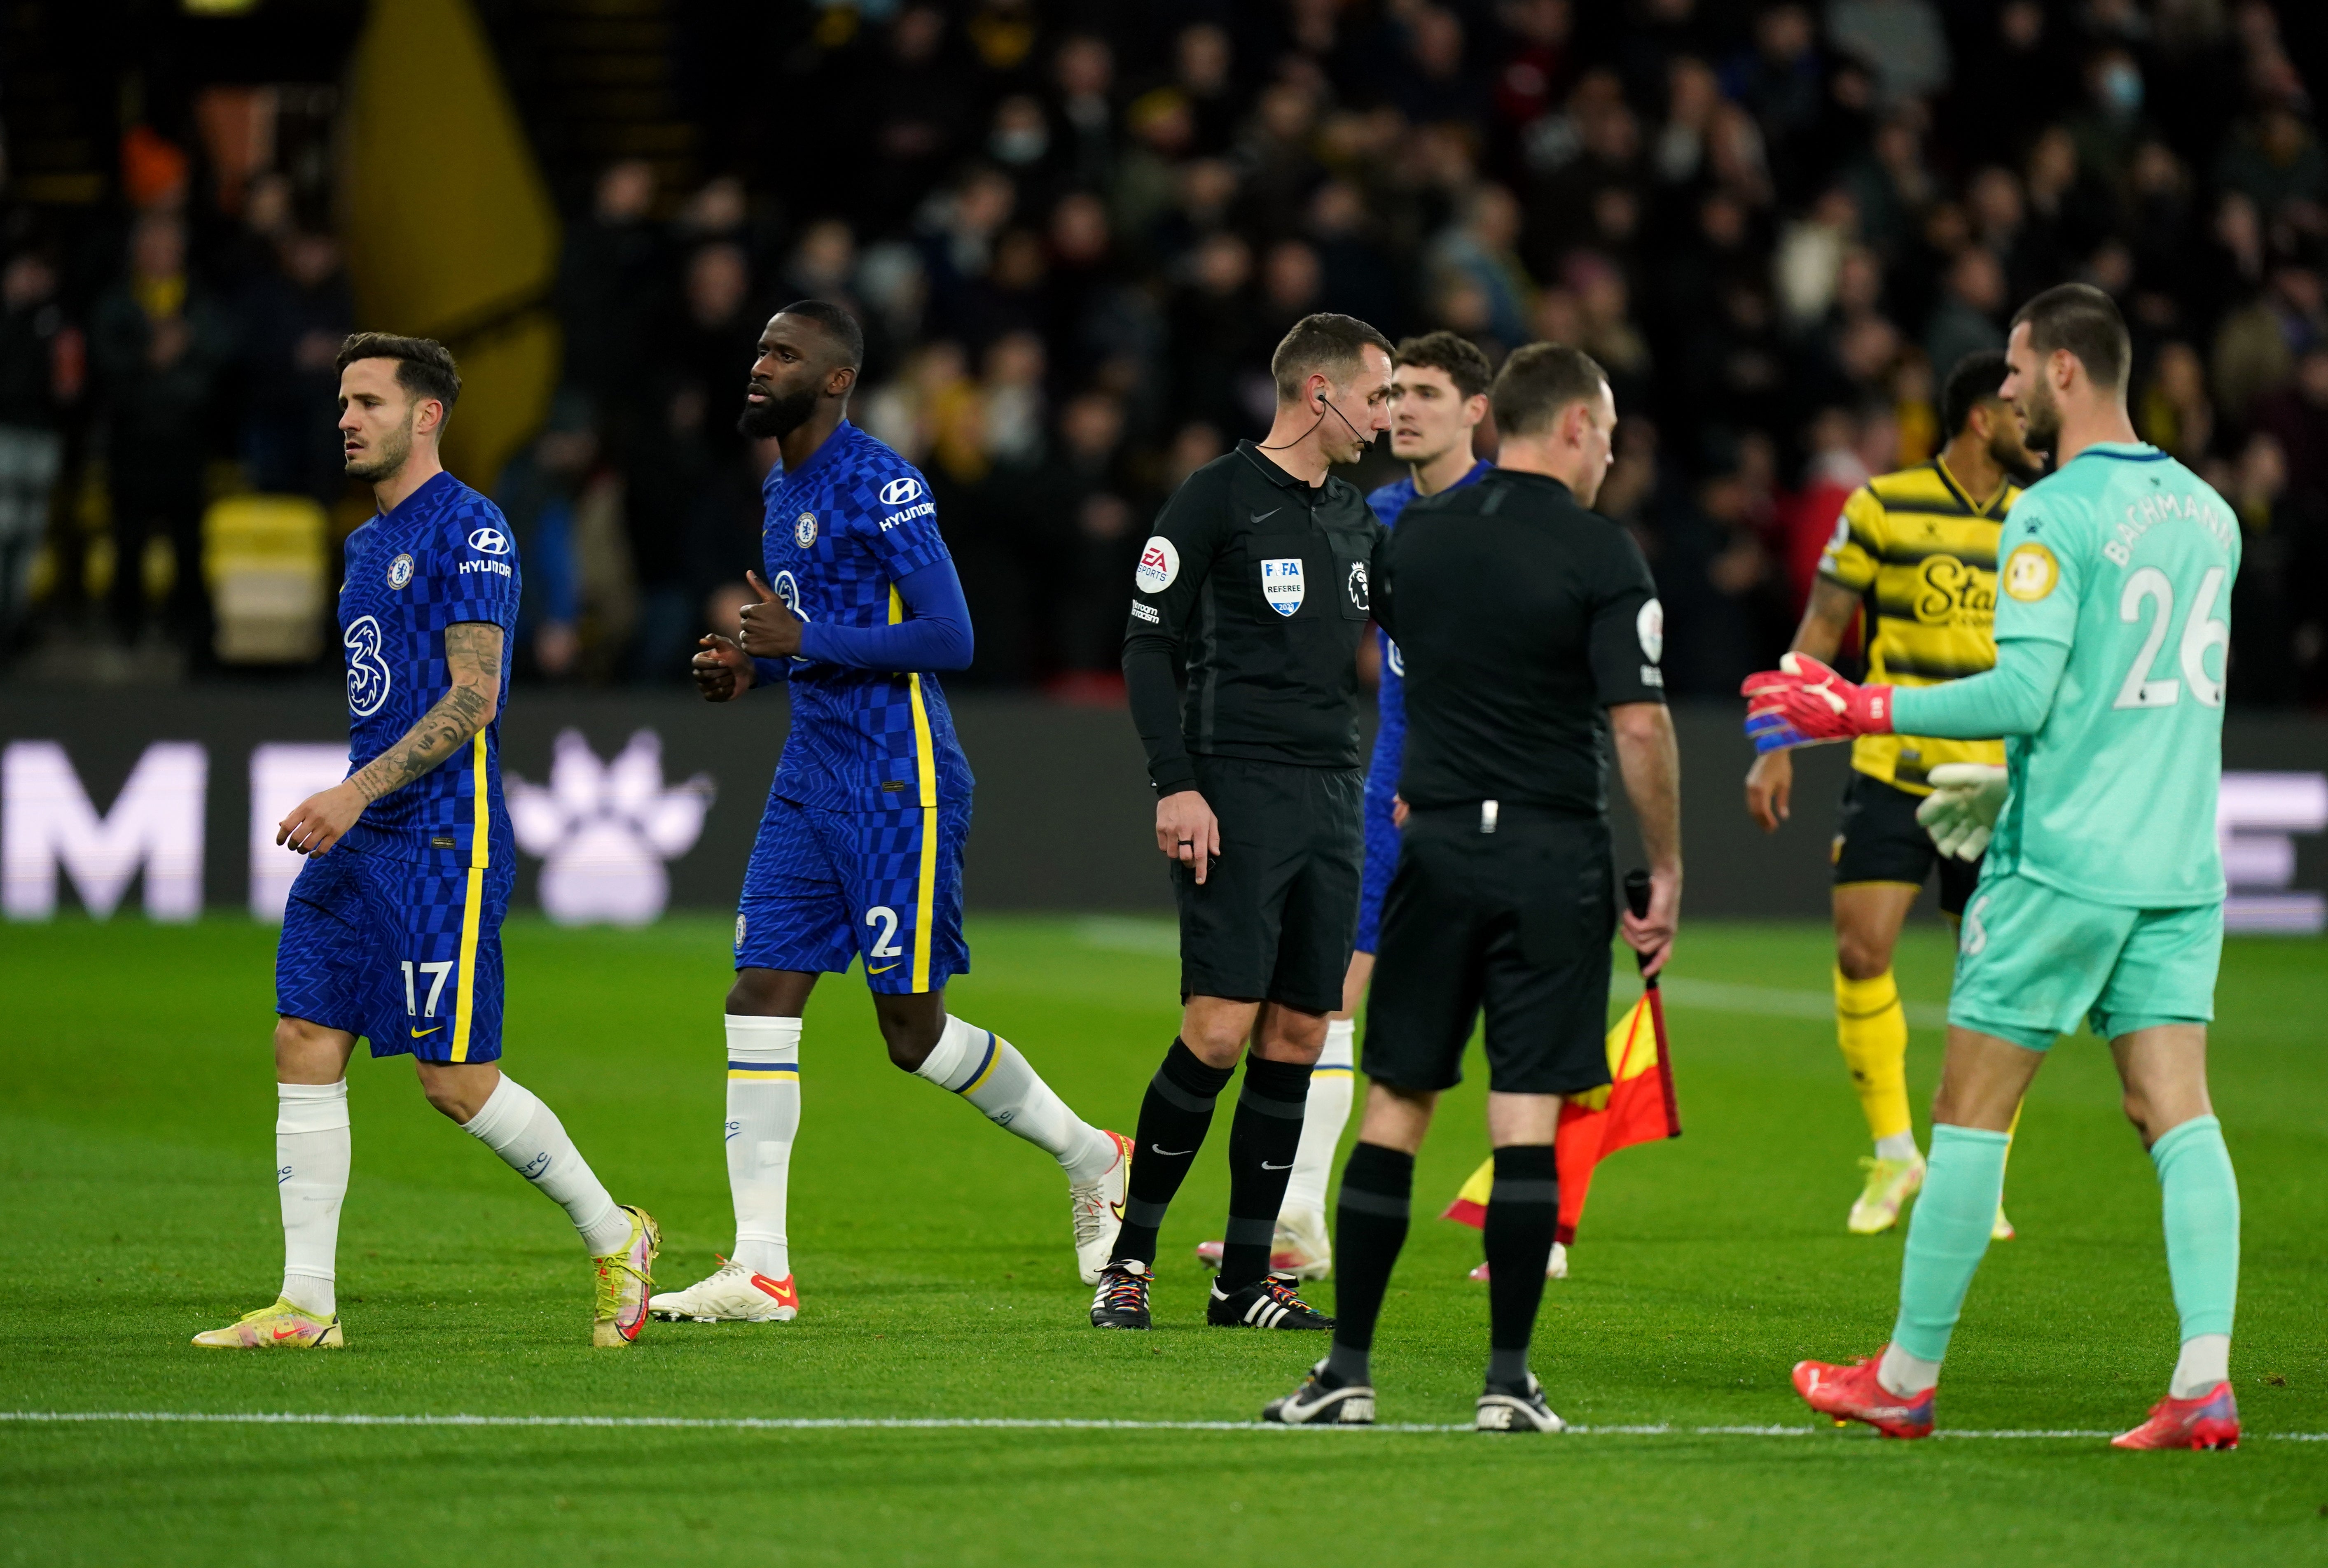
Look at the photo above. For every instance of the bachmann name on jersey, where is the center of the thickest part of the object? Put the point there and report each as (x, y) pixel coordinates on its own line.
(1925, 552)
(442, 556)
(1261, 585)
(837, 536)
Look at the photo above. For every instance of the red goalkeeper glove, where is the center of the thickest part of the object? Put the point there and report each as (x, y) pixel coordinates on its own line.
(1803, 703)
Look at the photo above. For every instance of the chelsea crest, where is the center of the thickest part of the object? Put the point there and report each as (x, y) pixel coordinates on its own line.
(399, 572)
(805, 529)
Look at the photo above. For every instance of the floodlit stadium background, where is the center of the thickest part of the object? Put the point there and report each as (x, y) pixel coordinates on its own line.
(1073, 234)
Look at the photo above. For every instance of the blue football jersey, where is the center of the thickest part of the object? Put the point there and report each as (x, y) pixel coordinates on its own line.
(444, 555)
(1389, 503)
(837, 537)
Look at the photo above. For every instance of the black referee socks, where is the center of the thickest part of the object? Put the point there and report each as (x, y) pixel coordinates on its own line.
(1523, 1208)
(1174, 1117)
(1263, 1140)
(1370, 1223)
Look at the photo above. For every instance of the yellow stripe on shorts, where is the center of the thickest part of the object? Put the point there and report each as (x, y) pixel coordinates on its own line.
(473, 910)
(927, 777)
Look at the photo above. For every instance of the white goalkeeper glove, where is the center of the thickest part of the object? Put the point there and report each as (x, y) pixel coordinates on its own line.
(1962, 808)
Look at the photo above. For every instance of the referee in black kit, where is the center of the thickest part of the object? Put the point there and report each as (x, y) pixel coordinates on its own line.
(1260, 580)
(1532, 634)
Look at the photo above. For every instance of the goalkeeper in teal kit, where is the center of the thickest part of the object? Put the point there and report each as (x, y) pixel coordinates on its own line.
(2101, 897)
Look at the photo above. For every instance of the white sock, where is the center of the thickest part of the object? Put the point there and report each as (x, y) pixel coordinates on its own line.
(1333, 1083)
(1897, 1146)
(2206, 1360)
(764, 1111)
(1902, 1374)
(528, 1135)
(988, 1071)
(312, 1153)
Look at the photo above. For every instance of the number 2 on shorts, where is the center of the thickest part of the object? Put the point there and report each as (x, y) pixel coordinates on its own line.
(885, 945)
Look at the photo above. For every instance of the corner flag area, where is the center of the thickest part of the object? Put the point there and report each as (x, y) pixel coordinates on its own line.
(941, 1398)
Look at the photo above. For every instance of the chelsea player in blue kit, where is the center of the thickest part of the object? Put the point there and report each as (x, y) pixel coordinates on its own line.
(393, 927)
(860, 853)
(1438, 396)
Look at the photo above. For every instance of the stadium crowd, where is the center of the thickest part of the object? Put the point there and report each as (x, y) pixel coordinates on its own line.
(1074, 233)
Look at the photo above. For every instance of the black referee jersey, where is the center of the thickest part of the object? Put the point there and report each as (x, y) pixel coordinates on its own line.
(1522, 617)
(1263, 585)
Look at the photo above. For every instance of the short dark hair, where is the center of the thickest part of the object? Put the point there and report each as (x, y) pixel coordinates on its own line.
(1540, 380)
(1326, 343)
(1976, 381)
(1457, 355)
(838, 324)
(424, 366)
(2082, 319)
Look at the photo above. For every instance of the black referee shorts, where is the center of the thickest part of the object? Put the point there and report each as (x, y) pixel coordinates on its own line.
(1517, 920)
(1879, 840)
(1278, 910)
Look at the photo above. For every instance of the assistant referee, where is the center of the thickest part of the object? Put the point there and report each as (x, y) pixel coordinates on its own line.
(1260, 579)
(1532, 635)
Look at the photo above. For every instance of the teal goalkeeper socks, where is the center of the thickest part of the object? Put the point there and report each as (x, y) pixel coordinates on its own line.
(1947, 1235)
(2200, 1197)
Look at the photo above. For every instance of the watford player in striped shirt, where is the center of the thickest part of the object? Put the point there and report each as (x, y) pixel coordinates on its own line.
(1918, 549)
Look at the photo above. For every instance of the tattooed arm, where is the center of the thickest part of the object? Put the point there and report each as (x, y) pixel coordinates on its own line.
(473, 656)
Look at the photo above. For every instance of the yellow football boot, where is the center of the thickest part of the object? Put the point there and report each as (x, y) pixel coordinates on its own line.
(280, 1327)
(2002, 1231)
(624, 1279)
(1890, 1184)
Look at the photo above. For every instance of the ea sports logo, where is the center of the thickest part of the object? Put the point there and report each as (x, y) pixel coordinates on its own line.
(1160, 563)
(899, 492)
(489, 542)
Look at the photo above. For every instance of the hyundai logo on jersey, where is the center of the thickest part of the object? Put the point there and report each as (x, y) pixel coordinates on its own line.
(899, 492)
(1281, 584)
(490, 541)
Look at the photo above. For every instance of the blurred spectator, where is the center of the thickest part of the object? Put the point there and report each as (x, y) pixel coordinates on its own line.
(1082, 113)
(538, 493)
(158, 343)
(292, 320)
(1970, 306)
(1483, 250)
(2270, 537)
(1899, 39)
(42, 370)
(2255, 346)
(606, 281)
(2174, 414)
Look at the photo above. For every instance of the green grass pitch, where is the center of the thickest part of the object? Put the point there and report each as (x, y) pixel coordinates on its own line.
(937, 1281)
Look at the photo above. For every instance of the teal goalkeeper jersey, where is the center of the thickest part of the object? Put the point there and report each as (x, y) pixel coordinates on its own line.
(2126, 558)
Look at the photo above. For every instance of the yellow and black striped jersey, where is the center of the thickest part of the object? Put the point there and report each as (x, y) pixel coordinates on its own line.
(1924, 553)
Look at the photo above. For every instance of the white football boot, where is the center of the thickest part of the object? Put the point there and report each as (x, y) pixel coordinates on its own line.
(730, 1294)
(1099, 1212)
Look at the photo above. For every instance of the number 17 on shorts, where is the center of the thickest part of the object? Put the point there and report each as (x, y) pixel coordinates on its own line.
(825, 888)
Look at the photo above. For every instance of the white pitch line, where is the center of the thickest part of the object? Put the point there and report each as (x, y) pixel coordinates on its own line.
(932, 1423)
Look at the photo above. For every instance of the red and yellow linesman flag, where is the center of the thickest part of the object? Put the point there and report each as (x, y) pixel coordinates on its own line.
(1635, 1107)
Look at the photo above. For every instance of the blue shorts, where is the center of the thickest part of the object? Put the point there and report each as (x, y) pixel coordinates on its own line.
(406, 954)
(1381, 860)
(826, 886)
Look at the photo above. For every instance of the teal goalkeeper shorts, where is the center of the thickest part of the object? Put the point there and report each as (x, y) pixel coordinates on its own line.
(2033, 960)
